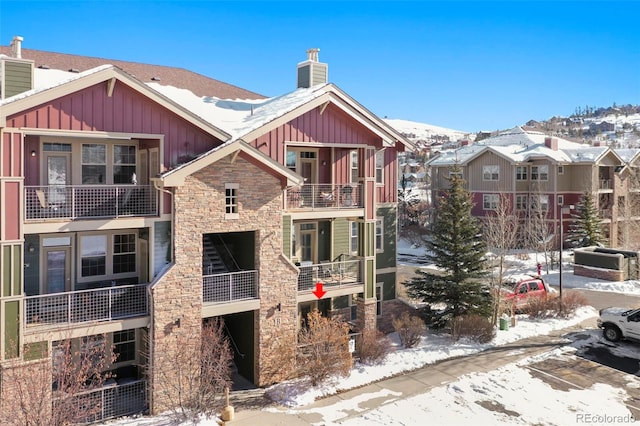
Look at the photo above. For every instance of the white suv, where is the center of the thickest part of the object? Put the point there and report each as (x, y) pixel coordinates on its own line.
(619, 323)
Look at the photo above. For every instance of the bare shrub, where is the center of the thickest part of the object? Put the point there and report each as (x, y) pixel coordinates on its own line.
(323, 348)
(53, 391)
(373, 348)
(552, 307)
(410, 329)
(540, 307)
(194, 374)
(475, 327)
(282, 353)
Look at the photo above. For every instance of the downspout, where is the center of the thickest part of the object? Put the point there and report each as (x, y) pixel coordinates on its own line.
(150, 294)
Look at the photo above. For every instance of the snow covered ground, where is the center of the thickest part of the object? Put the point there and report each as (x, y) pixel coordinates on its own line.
(461, 402)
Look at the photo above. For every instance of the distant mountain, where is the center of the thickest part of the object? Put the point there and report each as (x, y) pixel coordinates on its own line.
(415, 131)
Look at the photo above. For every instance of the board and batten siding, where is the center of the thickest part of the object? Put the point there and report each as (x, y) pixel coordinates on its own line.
(475, 175)
(387, 257)
(126, 111)
(341, 234)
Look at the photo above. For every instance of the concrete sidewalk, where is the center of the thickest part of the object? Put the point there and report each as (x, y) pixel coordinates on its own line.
(249, 407)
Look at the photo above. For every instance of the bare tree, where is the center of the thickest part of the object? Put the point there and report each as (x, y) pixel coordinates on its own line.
(501, 229)
(194, 372)
(56, 390)
(538, 229)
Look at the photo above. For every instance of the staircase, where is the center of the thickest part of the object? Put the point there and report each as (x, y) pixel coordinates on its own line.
(212, 263)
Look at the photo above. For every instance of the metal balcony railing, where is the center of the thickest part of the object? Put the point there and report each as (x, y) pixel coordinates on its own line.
(324, 196)
(72, 307)
(89, 201)
(114, 400)
(605, 184)
(230, 287)
(330, 274)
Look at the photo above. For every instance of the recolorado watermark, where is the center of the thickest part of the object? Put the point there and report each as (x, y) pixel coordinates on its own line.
(602, 419)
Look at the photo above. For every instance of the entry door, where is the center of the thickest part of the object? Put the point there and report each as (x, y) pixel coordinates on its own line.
(308, 170)
(57, 276)
(308, 246)
(57, 175)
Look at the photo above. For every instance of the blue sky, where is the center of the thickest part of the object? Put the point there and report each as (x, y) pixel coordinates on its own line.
(464, 65)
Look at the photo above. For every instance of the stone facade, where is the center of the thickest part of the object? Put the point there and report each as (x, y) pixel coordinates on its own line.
(177, 298)
(600, 273)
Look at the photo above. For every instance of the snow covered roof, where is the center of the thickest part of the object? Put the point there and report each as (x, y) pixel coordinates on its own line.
(518, 145)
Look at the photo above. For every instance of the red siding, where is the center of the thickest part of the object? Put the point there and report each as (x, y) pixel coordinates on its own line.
(126, 111)
(11, 222)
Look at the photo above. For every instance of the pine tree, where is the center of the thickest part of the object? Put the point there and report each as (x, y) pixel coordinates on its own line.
(456, 247)
(586, 229)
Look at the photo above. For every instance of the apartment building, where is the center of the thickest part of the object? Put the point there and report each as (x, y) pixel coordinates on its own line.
(140, 201)
(548, 174)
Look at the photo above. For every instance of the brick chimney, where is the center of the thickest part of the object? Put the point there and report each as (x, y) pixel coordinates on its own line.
(16, 74)
(551, 143)
(312, 72)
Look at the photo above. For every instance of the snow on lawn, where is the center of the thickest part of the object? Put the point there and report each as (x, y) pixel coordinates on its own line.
(432, 348)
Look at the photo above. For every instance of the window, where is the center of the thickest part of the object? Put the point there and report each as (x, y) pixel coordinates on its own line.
(353, 237)
(124, 345)
(94, 164)
(379, 167)
(490, 172)
(354, 166)
(96, 169)
(560, 170)
(231, 201)
(521, 172)
(379, 233)
(560, 200)
(540, 202)
(540, 172)
(291, 160)
(379, 299)
(93, 255)
(124, 253)
(490, 201)
(521, 202)
(109, 255)
(124, 163)
(353, 305)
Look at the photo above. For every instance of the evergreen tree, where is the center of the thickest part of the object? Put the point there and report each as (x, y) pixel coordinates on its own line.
(456, 247)
(586, 229)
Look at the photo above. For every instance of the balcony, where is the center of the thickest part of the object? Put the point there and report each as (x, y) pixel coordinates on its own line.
(71, 202)
(75, 307)
(605, 184)
(345, 273)
(230, 287)
(324, 196)
(114, 400)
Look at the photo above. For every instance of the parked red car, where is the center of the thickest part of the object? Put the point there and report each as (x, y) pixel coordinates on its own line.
(520, 291)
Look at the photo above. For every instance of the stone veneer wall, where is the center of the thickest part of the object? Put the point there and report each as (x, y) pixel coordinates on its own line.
(200, 209)
(600, 273)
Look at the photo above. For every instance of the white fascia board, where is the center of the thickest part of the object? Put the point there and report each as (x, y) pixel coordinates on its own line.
(177, 176)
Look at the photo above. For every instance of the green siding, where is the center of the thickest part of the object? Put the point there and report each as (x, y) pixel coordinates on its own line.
(32, 273)
(387, 258)
(286, 236)
(11, 336)
(17, 270)
(388, 285)
(371, 279)
(340, 236)
(17, 76)
(36, 350)
(6, 271)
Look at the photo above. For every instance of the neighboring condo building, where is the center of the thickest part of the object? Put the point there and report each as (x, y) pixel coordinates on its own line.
(138, 201)
(539, 175)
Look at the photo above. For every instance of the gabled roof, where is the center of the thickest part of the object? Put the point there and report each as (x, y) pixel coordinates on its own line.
(518, 146)
(230, 120)
(172, 76)
(52, 84)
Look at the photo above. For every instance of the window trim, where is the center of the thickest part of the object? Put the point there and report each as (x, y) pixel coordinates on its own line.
(109, 256)
(353, 155)
(491, 205)
(524, 202)
(353, 227)
(379, 301)
(491, 173)
(539, 174)
(522, 173)
(380, 248)
(231, 208)
(380, 167)
(560, 169)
